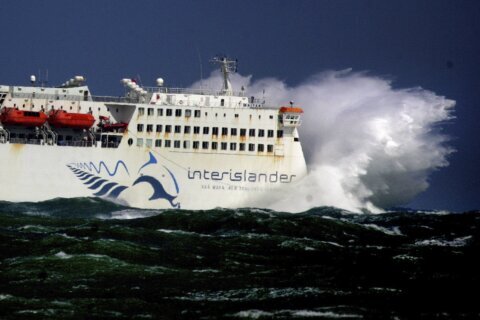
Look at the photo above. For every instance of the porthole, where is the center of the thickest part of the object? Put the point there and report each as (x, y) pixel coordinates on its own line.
(130, 141)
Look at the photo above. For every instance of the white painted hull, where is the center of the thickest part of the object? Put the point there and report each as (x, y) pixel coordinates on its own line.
(188, 180)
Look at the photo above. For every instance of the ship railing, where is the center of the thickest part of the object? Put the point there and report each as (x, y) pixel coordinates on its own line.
(114, 99)
(75, 143)
(127, 99)
(198, 91)
(50, 97)
(25, 141)
(110, 144)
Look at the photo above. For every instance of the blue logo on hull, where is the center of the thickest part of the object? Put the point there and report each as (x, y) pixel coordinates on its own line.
(110, 189)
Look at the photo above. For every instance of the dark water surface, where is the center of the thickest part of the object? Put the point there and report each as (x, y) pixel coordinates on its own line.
(80, 259)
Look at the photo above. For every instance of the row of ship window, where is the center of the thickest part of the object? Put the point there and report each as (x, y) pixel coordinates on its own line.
(205, 145)
(178, 113)
(206, 130)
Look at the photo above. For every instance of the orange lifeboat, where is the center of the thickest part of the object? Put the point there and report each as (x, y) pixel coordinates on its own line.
(63, 119)
(291, 110)
(15, 117)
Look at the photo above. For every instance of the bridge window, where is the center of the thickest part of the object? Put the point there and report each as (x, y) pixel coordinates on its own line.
(279, 133)
(141, 111)
(139, 127)
(214, 145)
(251, 132)
(150, 111)
(241, 146)
(186, 144)
(205, 145)
(178, 129)
(260, 148)
(197, 114)
(195, 144)
(168, 143)
(148, 143)
(261, 133)
(169, 112)
(270, 148)
(233, 131)
(251, 147)
(224, 131)
(233, 146)
(159, 128)
(159, 112)
(176, 144)
(158, 143)
(188, 113)
(168, 128)
(149, 127)
(270, 133)
(215, 131)
(139, 142)
(243, 132)
(186, 129)
(196, 130)
(223, 145)
(178, 112)
(205, 130)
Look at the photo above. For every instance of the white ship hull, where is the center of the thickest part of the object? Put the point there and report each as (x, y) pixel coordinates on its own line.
(187, 180)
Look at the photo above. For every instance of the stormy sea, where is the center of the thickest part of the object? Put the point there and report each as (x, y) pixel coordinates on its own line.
(87, 258)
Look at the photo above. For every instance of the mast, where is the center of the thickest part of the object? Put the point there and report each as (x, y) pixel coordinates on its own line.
(227, 66)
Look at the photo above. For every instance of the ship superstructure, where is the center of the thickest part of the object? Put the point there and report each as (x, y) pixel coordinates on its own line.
(153, 147)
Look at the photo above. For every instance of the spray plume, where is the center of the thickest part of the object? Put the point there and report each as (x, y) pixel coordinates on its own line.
(368, 146)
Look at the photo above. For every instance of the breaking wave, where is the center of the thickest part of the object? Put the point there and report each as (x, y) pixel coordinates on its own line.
(368, 145)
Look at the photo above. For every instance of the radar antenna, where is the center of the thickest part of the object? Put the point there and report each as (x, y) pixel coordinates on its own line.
(226, 66)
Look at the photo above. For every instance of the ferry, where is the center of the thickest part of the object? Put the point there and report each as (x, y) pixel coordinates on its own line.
(154, 147)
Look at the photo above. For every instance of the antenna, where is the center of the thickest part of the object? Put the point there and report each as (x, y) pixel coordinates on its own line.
(226, 66)
(201, 68)
(42, 81)
(139, 80)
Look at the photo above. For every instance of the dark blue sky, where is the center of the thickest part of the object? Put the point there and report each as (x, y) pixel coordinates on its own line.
(433, 44)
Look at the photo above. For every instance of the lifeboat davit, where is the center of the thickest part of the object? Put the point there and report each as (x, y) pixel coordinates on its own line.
(15, 117)
(63, 119)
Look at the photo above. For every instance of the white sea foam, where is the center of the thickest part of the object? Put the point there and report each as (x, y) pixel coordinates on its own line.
(395, 231)
(323, 314)
(5, 297)
(252, 314)
(183, 232)
(283, 314)
(129, 214)
(368, 145)
(63, 255)
(457, 242)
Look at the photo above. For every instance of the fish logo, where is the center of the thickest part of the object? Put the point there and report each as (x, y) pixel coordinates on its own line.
(109, 189)
(159, 191)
